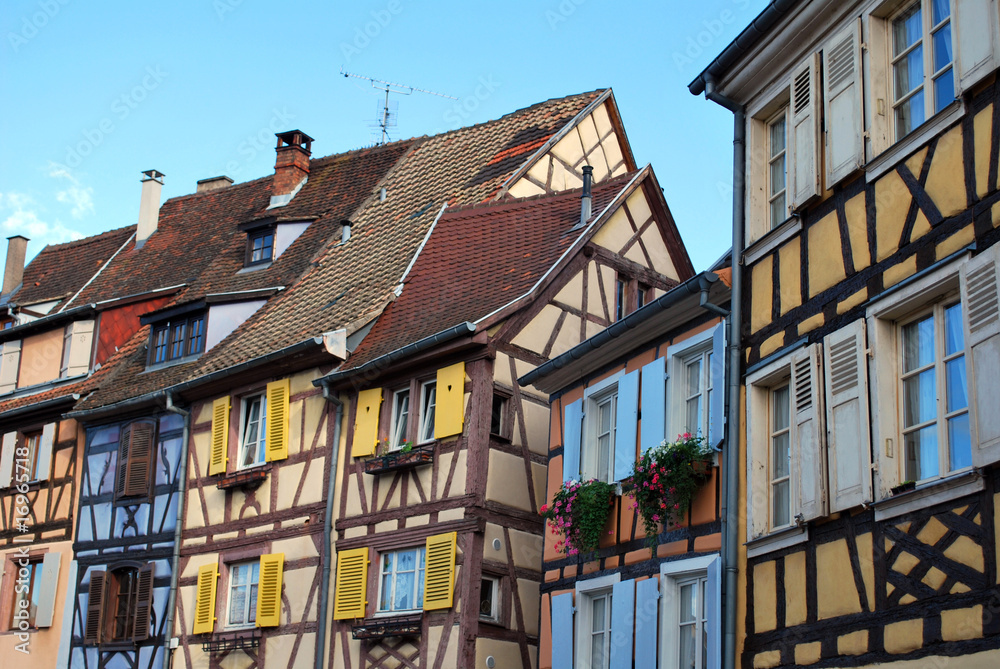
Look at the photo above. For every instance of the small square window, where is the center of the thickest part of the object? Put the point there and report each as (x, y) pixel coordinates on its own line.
(401, 581)
(489, 599)
(621, 294)
(498, 415)
(428, 404)
(177, 338)
(243, 581)
(260, 246)
(253, 431)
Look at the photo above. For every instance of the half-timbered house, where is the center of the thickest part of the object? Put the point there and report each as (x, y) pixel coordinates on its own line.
(867, 216)
(638, 601)
(438, 537)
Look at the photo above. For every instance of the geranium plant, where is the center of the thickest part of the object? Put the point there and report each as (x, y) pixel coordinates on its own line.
(578, 514)
(665, 479)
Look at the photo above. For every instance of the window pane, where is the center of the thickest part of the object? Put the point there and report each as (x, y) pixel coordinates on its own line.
(955, 377)
(780, 411)
(906, 29)
(910, 114)
(942, 48)
(689, 603)
(597, 652)
(688, 644)
(597, 617)
(942, 10)
(237, 605)
(429, 405)
(919, 398)
(384, 602)
(777, 136)
(252, 604)
(404, 591)
(954, 340)
(777, 211)
(779, 456)
(918, 344)
(959, 442)
(406, 561)
(694, 377)
(486, 598)
(781, 512)
(944, 90)
(921, 454)
(694, 415)
(908, 73)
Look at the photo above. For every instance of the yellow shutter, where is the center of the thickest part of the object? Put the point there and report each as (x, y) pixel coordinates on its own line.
(439, 574)
(220, 437)
(449, 414)
(350, 598)
(366, 422)
(277, 421)
(204, 608)
(269, 590)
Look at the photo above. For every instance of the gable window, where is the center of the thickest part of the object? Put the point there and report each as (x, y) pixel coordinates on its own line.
(243, 583)
(428, 403)
(260, 246)
(400, 418)
(253, 431)
(401, 581)
(777, 168)
(177, 338)
(923, 81)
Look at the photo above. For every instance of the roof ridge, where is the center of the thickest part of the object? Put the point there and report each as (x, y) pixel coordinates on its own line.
(85, 240)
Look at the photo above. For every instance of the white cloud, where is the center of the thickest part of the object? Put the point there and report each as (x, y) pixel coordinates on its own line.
(21, 217)
(79, 197)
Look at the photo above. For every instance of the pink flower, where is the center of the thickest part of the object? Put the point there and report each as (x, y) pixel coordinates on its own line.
(545, 508)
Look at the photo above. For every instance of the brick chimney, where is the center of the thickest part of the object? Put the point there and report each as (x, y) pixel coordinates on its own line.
(291, 166)
(13, 271)
(149, 206)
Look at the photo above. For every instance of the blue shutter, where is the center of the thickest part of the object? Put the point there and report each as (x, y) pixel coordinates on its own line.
(713, 612)
(718, 406)
(626, 424)
(562, 631)
(647, 594)
(622, 622)
(571, 440)
(654, 400)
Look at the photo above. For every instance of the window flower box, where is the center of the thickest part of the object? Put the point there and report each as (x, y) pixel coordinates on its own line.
(243, 478)
(401, 459)
(378, 628)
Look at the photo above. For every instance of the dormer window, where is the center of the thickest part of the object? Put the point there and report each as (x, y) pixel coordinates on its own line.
(269, 237)
(177, 338)
(260, 246)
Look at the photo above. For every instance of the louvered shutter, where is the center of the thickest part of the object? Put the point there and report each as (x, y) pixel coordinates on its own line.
(647, 594)
(350, 597)
(758, 495)
(449, 410)
(980, 285)
(562, 631)
(140, 458)
(7, 459)
(804, 170)
(277, 420)
(45, 451)
(269, 590)
(124, 446)
(204, 607)
(808, 456)
(975, 26)
(219, 457)
(848, 427)
(572, 429)
(845, 149)
(654, 397)
(95, 607)
(366, 422)
(439, 571)
(713, 614)
(626, 424)
(143, 602)
(78, 346)
(47, 589)
(10, 365)
(717, 404)
(622, 623)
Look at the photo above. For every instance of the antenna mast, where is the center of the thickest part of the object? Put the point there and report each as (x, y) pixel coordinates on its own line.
(390, 87)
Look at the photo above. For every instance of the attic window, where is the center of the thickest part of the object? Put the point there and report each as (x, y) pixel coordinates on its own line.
(177, 338)
(260, 246)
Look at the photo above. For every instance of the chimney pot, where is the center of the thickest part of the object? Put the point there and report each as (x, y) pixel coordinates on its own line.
(214, 183)
(13, 271)
(149, 206)
(586, 201)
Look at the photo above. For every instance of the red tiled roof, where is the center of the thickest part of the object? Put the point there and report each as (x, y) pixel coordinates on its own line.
(479, 259)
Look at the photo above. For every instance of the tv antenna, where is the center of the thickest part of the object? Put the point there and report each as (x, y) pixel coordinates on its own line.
(387, 116)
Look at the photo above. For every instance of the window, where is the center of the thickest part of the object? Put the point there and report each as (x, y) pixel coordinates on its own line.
(691, 608)
(27, 588)
(489, 599)
(934, 407)
(260, 246)
(698, 394)
(498, 415)
(600, 430)
(123, 602)
(643, 295)
(32, 441)
(401, 581)
(428, 401)
(697, 366)
(593, 621)
(242, 607)
(119, 605)
(400, 419)
(176, 339)
(923, 81)
(777, 168)
(253, 432)
(779, 457)
(598, 457)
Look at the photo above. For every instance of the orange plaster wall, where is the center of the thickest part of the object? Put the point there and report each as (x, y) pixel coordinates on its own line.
(41, 357)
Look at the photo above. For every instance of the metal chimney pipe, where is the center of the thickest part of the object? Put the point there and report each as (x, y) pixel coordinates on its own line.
(13, 271)
(586, 201)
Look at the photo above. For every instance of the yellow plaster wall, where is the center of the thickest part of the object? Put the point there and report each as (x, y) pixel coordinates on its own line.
(946, 178)
(458, 480)
(568, 337)
(41, 356)
(808, 653)
(760, 293)
(892, 201)
(904, 636)
(536, 420)
(530, 599)
(765, 614)
(857, 231)
(790, 276)
(899, 271)
(535, 334)
(854, 643)
(795, 588)
(826, 262)
(572, 293)
(852, 301)
(441, 657)
(982, 128)
(505, 653)
(835, 591)
(506, 482)
(594, 304)
(616, 232)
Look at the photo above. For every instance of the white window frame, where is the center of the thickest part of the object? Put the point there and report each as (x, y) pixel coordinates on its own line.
(593, 397)
(396, 440)
(775, 101)
(426, 434)
(782, 114)
(585, 592)
(418, 580)
(260, 456)
(679, 357)
(672, 576)
(249, 610)
(494, 615)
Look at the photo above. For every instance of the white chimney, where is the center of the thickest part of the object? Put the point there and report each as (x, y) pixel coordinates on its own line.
(149, 206)
(13, 271)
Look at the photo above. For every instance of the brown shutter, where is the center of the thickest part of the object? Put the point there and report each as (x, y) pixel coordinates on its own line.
(95, 608)
(123, 458)
(144, 603)
(140, 458)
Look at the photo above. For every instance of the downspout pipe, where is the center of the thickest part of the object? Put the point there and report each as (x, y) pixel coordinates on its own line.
(730, 491)
(331, 489)
(175, 558)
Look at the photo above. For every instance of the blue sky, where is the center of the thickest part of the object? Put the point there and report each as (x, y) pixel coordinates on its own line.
(91, 97)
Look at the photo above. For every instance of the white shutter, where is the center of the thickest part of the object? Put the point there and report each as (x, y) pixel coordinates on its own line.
(975, 26)
(848, 426)
(758, 483)
(79, 344)
(47, 591)
(804, 137)
(10, 366)
(808, 455)
(981, 314)
(845, 148)
(7, 459)
(45, 451)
